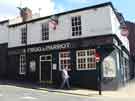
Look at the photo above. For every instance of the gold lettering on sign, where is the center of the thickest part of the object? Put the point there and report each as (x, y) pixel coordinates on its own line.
(40, 49)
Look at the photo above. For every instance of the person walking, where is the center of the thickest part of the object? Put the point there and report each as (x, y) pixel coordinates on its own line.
(65, 78)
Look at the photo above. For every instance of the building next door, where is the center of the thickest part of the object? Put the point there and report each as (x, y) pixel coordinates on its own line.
(45, 69)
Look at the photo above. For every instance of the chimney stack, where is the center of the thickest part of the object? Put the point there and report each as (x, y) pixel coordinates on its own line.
(25, 13)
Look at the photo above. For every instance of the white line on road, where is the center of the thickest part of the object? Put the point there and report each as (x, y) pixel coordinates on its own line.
(28, 97)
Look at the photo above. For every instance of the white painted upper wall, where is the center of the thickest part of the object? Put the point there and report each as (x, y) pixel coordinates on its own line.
(116, 30)
(4, 33)
(15, 36)
(98, 21)
(94, 22)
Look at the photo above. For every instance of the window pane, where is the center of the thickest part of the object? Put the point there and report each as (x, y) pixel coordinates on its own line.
(23, 35)
(76, 26)
(86, 59)
(22, 64)
(65, 60)
(45, 31)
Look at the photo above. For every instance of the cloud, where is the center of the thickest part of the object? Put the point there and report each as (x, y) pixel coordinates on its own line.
(9, 7)
(46, 6)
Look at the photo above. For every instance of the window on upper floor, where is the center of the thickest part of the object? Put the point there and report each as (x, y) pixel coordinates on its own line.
(76, 26)
(24, 35)
(45, 31)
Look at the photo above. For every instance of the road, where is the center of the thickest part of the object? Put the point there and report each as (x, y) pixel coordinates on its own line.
(13, 93)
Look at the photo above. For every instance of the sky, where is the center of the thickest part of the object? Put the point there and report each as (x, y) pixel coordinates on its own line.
(8, 8)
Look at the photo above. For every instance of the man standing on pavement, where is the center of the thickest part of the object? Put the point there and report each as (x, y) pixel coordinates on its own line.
(65, 78)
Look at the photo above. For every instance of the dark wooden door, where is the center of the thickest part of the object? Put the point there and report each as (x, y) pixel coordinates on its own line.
(45, 70)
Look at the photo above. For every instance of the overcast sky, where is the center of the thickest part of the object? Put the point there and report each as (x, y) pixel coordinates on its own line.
(8, 8)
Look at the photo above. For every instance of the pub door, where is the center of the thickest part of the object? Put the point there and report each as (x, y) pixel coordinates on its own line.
(45, 68)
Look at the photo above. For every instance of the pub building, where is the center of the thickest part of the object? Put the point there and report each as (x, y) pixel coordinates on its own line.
(38, 49)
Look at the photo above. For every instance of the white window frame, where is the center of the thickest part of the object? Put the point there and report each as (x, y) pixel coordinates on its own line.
(76, 26)
(64, 58)
(86, 59)
(23, 35)
(22, 67)
(44, 31)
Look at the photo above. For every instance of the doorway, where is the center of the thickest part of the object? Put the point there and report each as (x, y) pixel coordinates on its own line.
(45, 68)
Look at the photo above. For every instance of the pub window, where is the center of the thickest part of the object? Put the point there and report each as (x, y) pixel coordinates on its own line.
(86, 59)
(22, 69)
(45, 31)
(64, 60)
(76, 26)
(24, 35)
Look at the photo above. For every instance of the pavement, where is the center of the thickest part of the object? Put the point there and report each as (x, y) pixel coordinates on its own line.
(125, 92)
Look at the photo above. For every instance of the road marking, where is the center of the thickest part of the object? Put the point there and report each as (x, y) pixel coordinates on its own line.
(28, 97)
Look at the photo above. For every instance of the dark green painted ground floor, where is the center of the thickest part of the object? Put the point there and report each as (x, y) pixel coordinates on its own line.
(42, 63)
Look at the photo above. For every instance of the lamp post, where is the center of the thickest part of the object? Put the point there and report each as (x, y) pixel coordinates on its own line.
(26, 53)
(99, 78)
(98, 61)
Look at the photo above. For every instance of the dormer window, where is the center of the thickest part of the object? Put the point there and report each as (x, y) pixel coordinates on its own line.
(76, 26)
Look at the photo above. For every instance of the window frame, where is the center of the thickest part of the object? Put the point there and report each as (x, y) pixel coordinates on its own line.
(76, 25)
(24, 35)
(86, 57)
(65, 58)
(44, 31)
(22, 64)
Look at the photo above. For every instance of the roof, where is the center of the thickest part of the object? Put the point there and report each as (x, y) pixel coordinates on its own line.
(67, 12)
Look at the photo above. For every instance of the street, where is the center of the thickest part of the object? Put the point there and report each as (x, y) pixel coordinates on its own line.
(13, 93)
